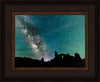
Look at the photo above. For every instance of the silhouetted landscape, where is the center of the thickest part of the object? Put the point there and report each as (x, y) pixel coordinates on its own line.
(60, 60)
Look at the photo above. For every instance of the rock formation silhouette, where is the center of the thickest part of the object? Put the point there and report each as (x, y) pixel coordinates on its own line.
(60, 60)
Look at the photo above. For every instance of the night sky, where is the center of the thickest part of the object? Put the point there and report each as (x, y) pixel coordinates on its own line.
(38, 36)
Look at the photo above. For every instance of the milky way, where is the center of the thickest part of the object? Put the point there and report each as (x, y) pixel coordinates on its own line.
(33, 39)
(38, 36)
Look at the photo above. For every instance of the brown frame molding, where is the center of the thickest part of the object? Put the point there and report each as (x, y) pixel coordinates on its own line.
(49, 68)
(90, 75)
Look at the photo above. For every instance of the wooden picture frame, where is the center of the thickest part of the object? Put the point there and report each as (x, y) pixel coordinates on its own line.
(92, 74)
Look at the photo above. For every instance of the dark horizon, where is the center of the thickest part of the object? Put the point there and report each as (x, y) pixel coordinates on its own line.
(42, 57)
(60, 60)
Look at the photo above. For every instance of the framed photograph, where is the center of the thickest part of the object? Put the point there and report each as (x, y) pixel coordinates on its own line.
(37, 37)
(49, 41)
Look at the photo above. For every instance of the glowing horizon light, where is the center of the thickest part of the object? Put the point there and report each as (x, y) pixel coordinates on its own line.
(46, 59)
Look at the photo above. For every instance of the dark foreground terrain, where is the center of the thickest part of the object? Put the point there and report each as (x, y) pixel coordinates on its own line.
(61, 60)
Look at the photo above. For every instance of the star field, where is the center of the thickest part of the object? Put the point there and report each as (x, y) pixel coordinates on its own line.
(38, 36)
